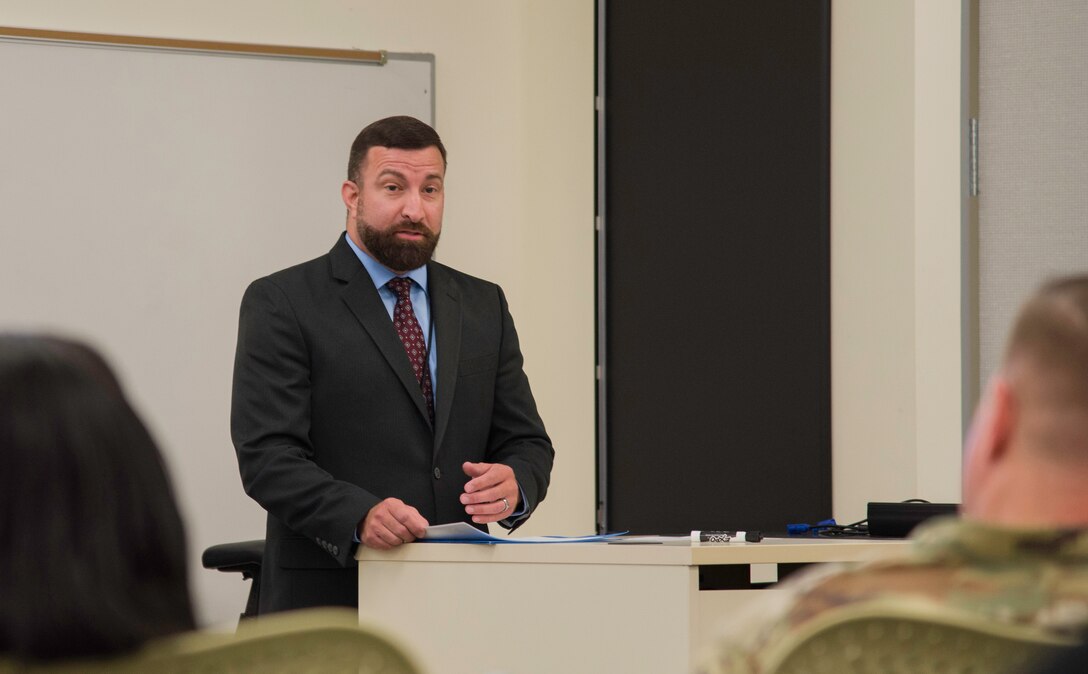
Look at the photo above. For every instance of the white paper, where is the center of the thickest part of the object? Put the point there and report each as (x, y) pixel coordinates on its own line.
(463, 532)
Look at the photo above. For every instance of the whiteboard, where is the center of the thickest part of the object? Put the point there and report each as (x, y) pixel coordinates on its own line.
(142, 189)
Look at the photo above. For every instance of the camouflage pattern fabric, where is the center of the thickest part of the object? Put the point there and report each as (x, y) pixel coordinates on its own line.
(1027, 577)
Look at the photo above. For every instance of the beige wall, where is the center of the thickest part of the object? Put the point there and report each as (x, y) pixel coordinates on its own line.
(895, 252)
(515, 107)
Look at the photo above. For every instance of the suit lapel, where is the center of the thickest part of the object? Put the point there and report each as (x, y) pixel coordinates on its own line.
(446, 314)
(364, 302)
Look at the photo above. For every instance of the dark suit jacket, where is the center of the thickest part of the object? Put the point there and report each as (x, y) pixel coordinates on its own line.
(328, 419)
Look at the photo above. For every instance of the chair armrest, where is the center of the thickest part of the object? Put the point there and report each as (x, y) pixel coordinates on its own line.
(243, 556)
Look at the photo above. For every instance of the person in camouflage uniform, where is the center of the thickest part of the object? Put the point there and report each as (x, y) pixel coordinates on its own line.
(1019, 552)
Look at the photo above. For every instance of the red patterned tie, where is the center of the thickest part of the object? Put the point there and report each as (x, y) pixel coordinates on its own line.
(404, 320)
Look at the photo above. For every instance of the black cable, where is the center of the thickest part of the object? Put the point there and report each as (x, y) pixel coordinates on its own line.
(859, 528)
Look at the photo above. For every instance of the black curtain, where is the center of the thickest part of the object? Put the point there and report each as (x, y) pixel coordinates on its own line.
(717, 284)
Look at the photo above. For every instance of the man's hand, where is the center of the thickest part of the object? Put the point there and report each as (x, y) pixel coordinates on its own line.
(391, 523)
(492, 493)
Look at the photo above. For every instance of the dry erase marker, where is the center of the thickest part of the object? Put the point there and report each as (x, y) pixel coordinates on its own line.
(726, 536)
(711, 536)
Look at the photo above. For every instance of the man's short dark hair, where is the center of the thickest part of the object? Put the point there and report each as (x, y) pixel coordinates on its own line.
(400, 132)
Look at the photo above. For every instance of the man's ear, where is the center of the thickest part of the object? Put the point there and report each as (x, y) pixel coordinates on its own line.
(1003, 417)
(988, 446)
(988, 440)
(349, 192)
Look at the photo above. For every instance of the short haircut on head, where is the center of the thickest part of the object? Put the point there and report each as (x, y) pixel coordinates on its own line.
(1046, 364)
(92, 545)
(1051, 331)
(400, 132)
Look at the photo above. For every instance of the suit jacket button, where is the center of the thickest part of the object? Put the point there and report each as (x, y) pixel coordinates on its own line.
(437, 473)
(336, 550)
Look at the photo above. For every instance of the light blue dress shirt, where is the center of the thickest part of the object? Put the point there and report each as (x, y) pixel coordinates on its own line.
(421, 303)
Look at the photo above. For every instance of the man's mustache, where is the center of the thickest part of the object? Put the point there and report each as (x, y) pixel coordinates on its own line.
(417, 227)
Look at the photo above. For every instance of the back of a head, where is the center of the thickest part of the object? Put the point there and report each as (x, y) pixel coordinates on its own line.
(1046, 363)
(93, 548)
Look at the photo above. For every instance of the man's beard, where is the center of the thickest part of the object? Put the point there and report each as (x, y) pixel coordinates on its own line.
(398, 254)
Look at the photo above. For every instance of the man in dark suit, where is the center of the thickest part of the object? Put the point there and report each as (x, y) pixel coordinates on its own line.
(376, 391)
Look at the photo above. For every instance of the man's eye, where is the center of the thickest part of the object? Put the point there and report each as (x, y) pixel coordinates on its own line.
(431, 190)
(391, 188)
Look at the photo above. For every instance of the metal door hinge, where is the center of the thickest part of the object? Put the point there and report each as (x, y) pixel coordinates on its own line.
(972, 177)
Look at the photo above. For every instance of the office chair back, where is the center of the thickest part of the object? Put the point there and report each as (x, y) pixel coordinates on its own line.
(314, 641)
(900, 638)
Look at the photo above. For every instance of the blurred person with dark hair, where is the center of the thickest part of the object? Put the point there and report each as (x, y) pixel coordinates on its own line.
(92, 547)
(1018, 553)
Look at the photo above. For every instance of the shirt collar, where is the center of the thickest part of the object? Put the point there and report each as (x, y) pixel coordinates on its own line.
(380, 274)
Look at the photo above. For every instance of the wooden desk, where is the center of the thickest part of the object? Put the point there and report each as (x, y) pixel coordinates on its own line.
(572, 607)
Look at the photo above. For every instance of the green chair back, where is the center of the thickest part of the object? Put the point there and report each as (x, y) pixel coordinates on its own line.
(901, 638)
(317, 641)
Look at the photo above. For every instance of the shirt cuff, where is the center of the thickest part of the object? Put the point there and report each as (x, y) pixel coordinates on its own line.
(521, 512)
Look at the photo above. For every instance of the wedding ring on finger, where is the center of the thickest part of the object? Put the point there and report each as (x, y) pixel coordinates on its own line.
(505, 505)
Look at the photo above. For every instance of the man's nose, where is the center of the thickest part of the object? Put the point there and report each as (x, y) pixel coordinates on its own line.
(412, 207)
